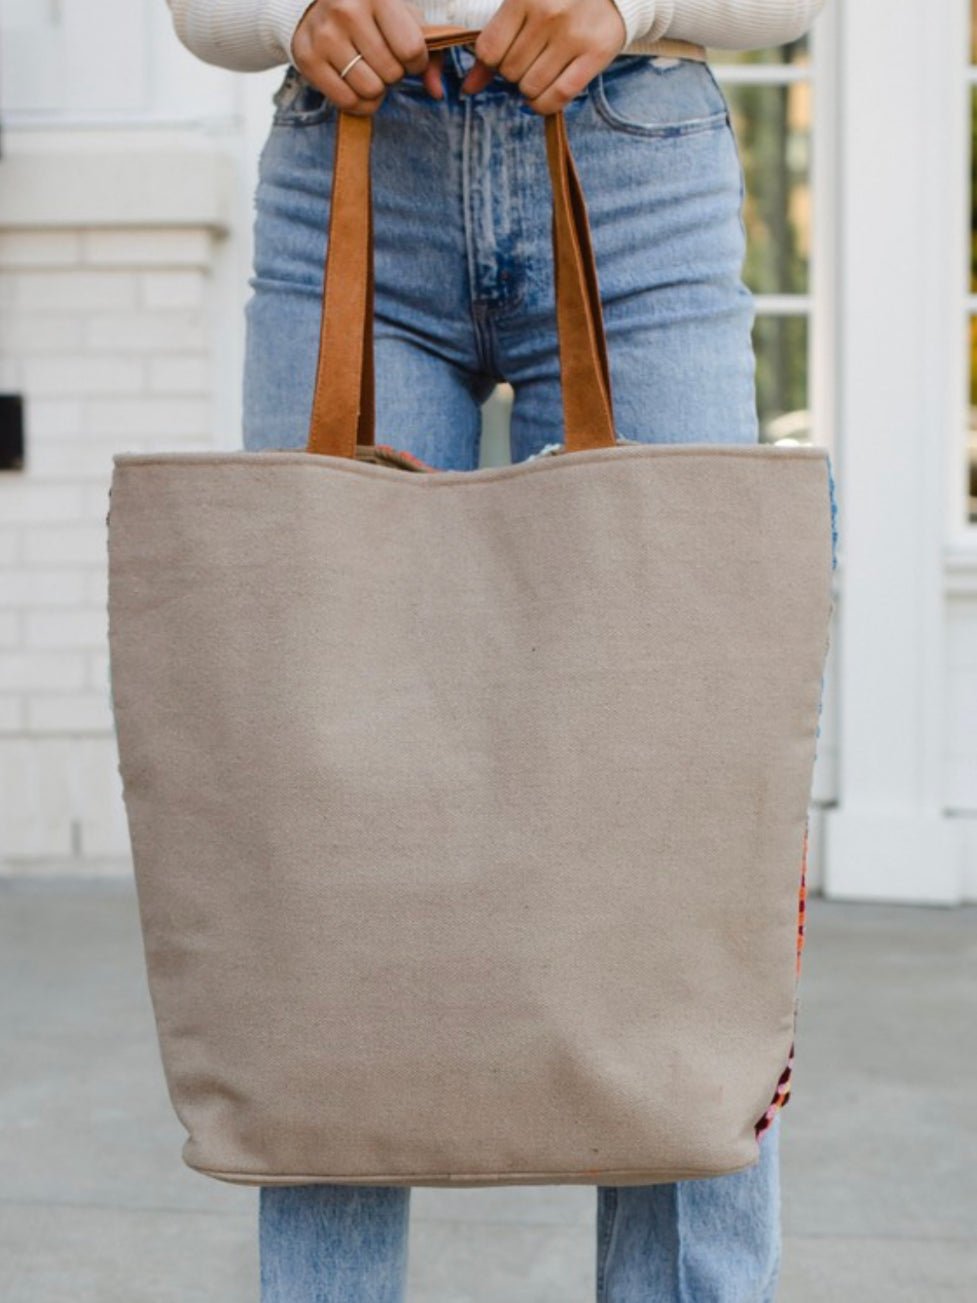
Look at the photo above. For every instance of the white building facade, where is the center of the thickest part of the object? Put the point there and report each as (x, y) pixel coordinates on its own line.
(126, 180)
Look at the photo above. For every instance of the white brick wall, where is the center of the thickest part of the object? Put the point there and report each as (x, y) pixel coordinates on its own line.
(105, 333)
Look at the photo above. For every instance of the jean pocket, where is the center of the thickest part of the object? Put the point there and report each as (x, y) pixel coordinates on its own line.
(647, 95)
(298, 103)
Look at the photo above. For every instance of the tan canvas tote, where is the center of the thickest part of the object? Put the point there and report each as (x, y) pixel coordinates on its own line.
(468, 808)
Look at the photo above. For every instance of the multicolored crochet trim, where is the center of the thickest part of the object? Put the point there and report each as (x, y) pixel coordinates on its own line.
(782, 1093)
(386, 455)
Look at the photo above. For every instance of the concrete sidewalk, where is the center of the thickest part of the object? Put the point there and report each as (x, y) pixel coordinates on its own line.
(879, 1141)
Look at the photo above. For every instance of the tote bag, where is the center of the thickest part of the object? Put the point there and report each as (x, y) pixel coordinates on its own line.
(468, 808)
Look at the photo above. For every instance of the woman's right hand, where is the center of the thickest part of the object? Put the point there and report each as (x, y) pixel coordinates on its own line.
(387, 33)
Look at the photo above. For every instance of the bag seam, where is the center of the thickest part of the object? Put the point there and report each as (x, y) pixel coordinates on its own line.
(249, 459)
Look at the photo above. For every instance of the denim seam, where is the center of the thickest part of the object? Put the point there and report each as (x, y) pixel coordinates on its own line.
(608, 1235)
(291, 89)
(649, 131)
(311, 118)
(466, 205)
(488, 344)
(718, 88)
(482, 309)
(681, 1293)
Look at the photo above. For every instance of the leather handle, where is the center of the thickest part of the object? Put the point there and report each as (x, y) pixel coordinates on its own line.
(343, 401)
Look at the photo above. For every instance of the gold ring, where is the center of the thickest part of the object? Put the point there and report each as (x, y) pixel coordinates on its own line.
(355, 59)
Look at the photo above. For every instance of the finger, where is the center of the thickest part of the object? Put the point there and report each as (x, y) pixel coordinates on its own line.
(545, 69)
(569, 83)
(328, 80)
(432, 75)
(529, 44)
(499, 33)
(377, 53)
(402, 33)
(477, 78)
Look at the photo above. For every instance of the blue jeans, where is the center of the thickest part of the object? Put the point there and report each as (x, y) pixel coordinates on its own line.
(464, 299)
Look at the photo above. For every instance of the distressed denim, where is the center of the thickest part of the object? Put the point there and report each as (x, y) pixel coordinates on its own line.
(464, 300)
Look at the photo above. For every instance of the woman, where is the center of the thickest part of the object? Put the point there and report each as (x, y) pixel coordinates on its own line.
(464, 300)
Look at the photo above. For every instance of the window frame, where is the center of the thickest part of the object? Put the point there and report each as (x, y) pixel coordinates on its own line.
(818, 304)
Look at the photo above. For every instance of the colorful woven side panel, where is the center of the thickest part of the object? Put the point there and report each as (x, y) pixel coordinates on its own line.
(782, 1093)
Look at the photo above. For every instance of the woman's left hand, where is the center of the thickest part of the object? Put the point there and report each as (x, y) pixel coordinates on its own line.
(551, 48)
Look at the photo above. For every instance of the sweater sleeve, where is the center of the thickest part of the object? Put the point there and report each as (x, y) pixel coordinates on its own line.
(721, 24)
(244, 35)
(248, 35)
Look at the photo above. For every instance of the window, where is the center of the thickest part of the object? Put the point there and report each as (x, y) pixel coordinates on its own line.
(970, 454)
(770, 98)
(103, 63)
(32, 55)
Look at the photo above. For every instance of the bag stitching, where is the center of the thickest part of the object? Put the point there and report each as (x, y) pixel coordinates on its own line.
(450, 479)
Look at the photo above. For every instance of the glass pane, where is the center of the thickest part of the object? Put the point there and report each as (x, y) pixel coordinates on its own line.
(780, 343)
(971, 453)
(773, 130)
(973, 190)
(794, 52)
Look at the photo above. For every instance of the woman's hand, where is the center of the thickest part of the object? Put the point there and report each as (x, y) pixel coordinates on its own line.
(388, 34)
(551, 48)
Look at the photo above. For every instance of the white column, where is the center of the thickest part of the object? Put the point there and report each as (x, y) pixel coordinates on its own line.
(889, 838)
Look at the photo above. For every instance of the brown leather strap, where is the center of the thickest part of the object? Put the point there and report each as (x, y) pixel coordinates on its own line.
(343, 401)
(584, 372)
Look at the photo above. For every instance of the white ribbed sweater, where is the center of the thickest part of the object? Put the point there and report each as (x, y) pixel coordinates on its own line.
(249, 35)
